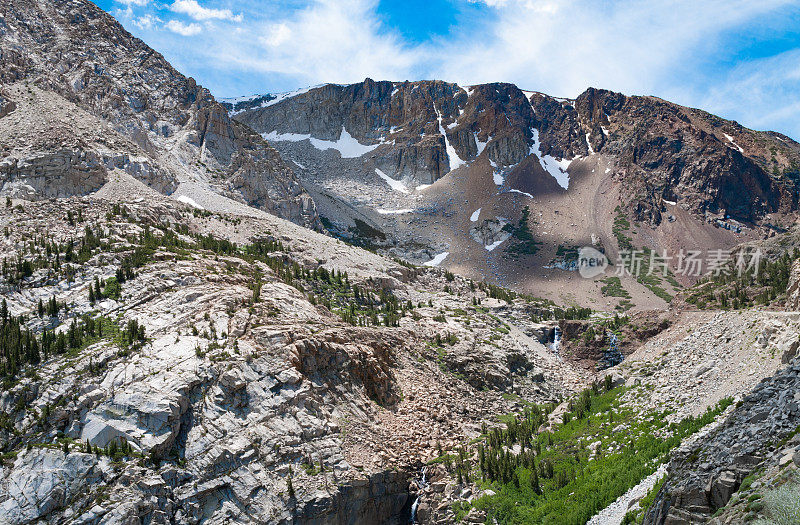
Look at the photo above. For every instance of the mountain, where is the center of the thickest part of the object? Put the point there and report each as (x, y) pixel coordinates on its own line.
(419, 169)
(137, 113)
(184, 339)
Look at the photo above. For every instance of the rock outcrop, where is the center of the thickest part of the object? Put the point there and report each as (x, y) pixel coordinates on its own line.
(60, 173)
(228, 398)
(703, 479)
(665, 152)
(75, 49)
(793, 290)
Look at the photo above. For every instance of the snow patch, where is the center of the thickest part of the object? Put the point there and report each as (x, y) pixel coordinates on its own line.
(278, 98)
(394, 212)
(475, 215)
(556, 168)
(495, 244)
(299, 165)
(423, 186)
(190, 201)
(671, 203)
(347, 146)
(283, 96)
(589, 143)
(481, 145)
(498, 177)
(734, 144)
(522, 192)
(452, 157)
(437, 260)
(396, 185)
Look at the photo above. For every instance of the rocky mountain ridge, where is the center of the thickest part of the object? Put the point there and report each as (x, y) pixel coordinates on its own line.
(423, 130)
(499, 183)
(179, 345)
(80, 53)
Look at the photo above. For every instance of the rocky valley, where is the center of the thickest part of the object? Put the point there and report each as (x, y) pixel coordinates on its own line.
(367, 303)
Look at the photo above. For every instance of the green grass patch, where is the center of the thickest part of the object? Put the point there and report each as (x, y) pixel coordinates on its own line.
(552, 478)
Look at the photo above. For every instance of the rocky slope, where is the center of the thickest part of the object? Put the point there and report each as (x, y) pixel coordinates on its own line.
(232, 391)
(80, 55)
(759, 436)
(178, 345)
(418, 169)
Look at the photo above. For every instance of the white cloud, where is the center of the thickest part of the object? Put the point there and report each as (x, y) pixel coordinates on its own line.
(329, 41)
(139, 3)
(198, 12)
(762, 93)
(278, 34)
(563, 46)
(677, 49)
(183, 29)
(146, 21)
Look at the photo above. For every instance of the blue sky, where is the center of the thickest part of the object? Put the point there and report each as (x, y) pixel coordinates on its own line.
(739, 59)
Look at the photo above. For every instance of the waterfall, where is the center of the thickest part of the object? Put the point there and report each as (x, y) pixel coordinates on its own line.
(555, 346)
(611, 356)
(422, 482)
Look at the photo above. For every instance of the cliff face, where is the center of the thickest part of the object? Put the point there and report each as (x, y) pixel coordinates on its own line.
(711, 165)
(75, 50)
(668, 152)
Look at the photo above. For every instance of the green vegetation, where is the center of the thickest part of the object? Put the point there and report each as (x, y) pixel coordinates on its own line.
(366, 305)
(525, 243)
(613, 288)
(19, 346)
(781, 506)
(651, 278)
(552, 476)
(52, 256)
(620, 228)
(555, 313)
(729, 290)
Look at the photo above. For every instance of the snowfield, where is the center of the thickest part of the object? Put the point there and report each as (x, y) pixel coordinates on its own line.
(556, 168)
(396, 185)
(347, 146)
(437, 260)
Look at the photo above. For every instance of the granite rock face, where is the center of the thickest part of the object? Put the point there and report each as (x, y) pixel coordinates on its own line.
(76, 50)
(59, 173)
(228, 398)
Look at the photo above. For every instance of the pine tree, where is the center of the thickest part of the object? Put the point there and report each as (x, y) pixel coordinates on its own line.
(66, 447)
(534, 479)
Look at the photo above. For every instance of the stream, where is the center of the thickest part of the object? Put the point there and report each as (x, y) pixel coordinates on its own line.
(422, 482)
